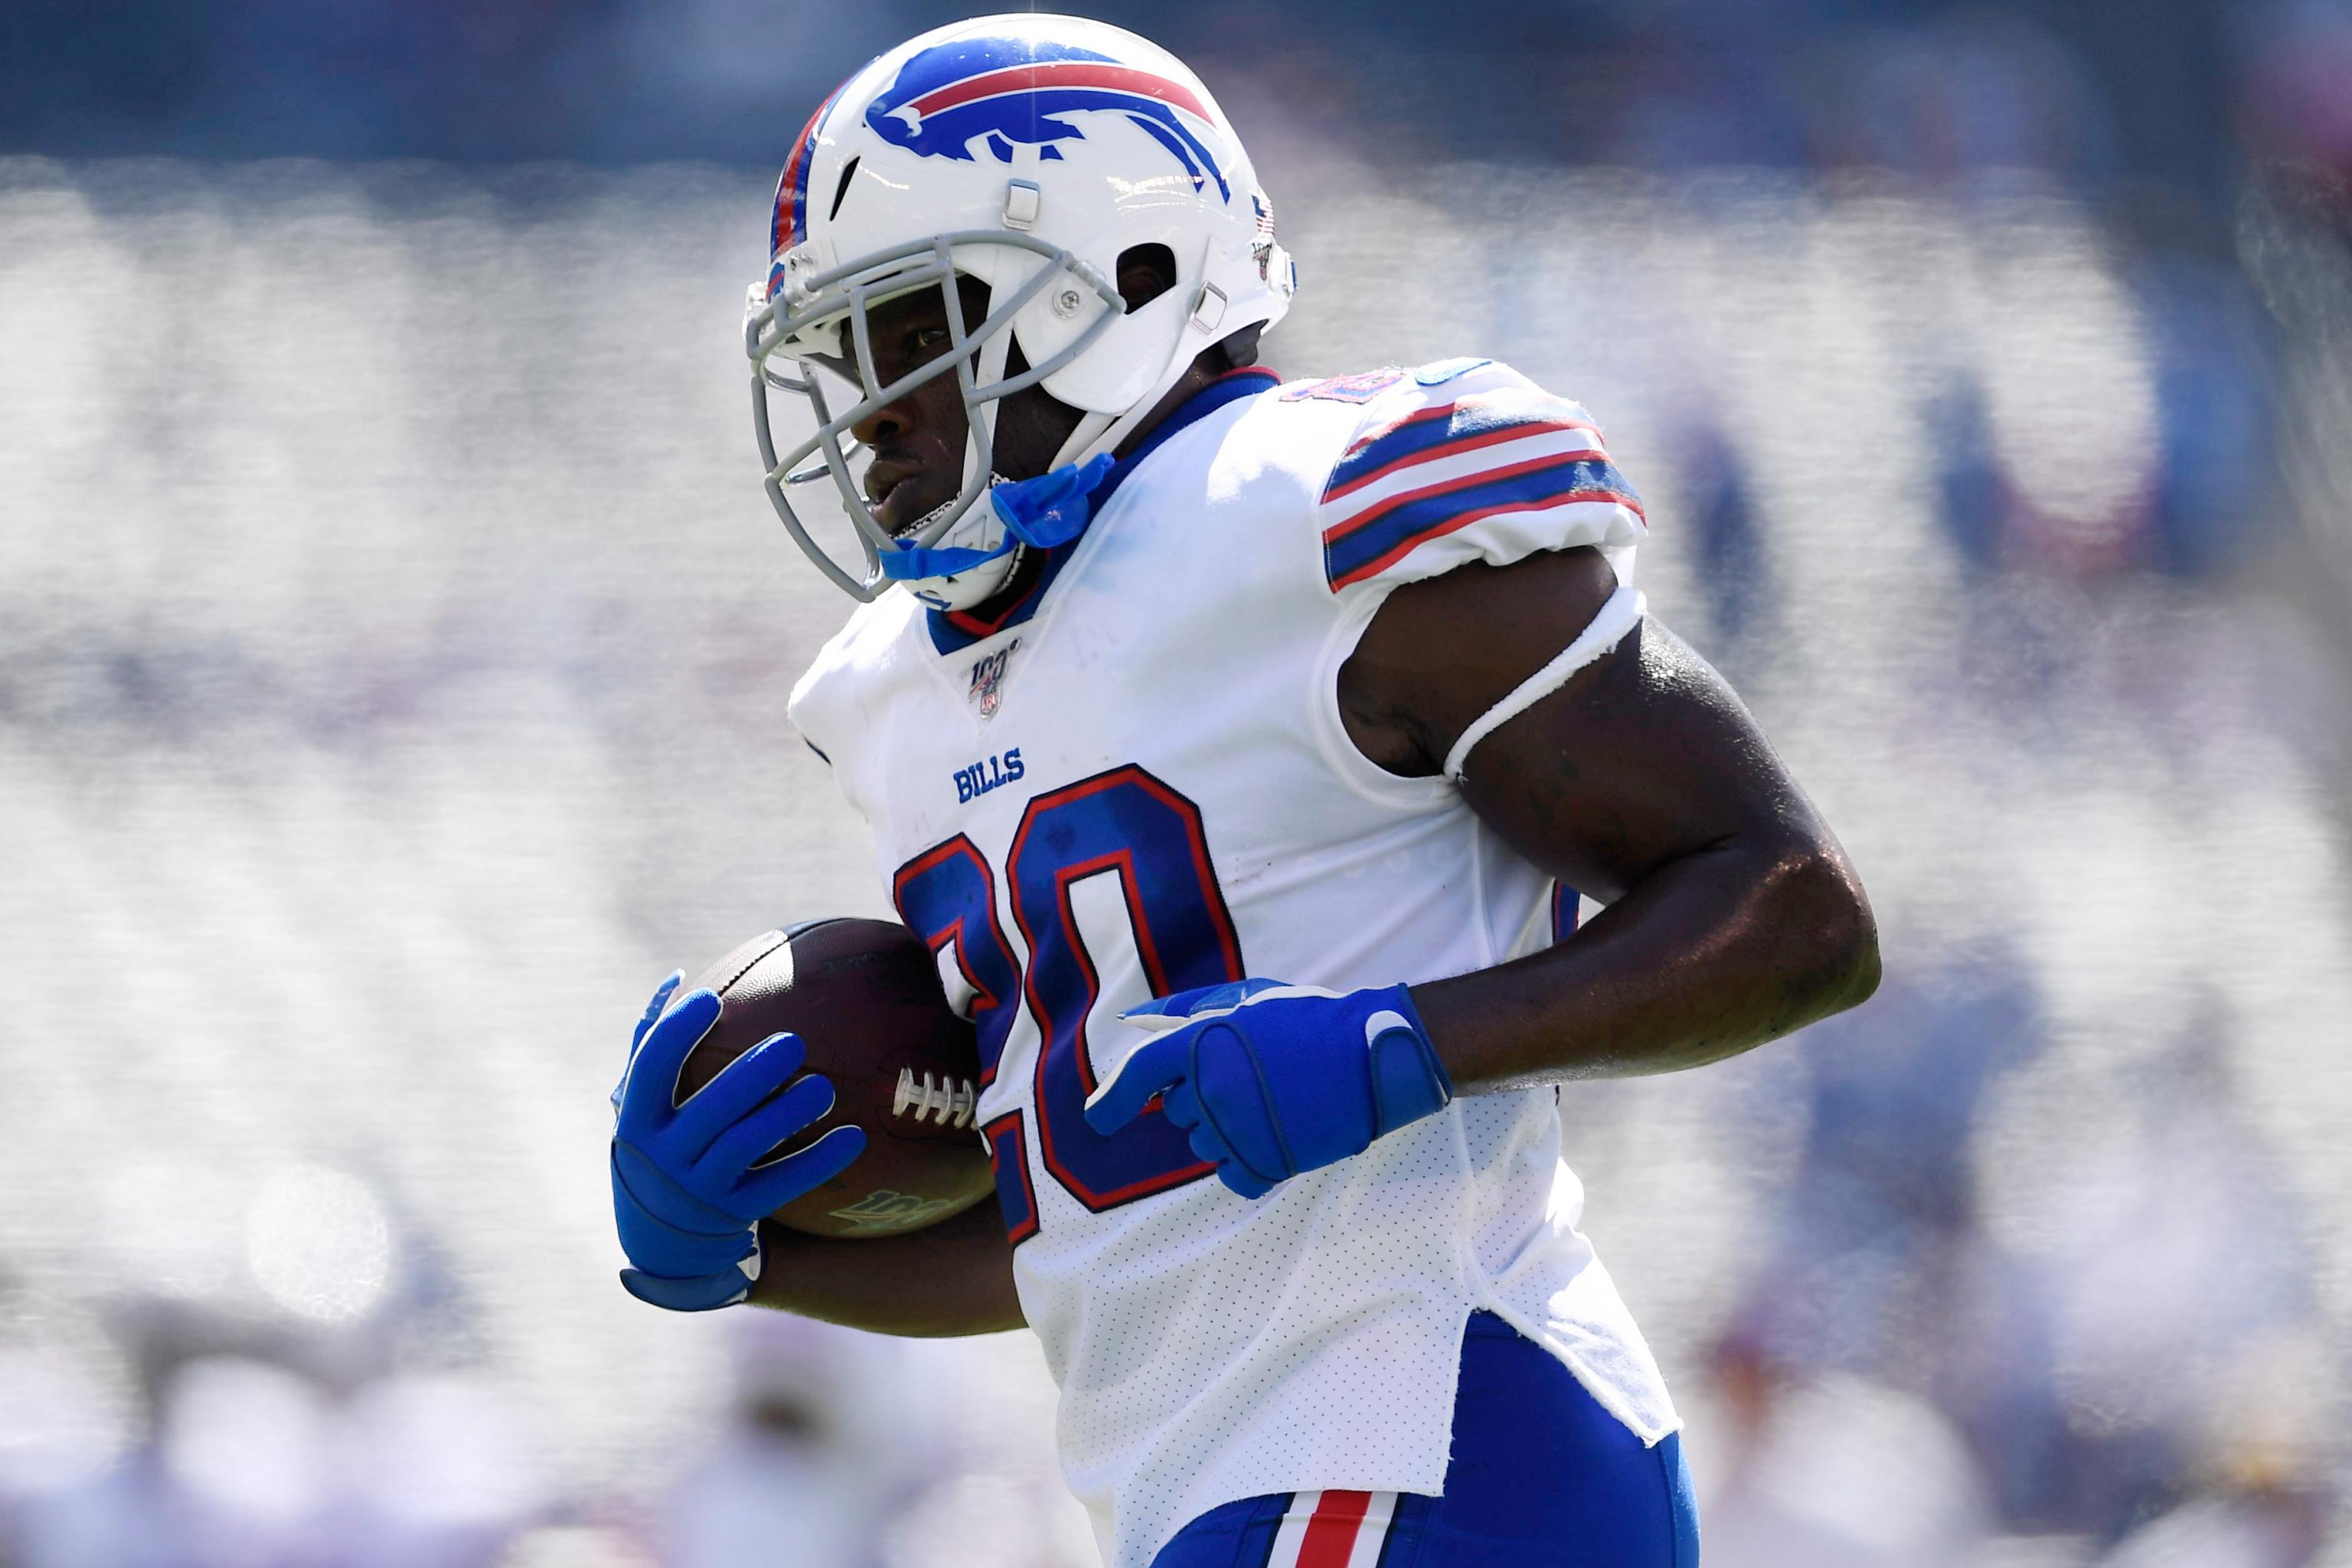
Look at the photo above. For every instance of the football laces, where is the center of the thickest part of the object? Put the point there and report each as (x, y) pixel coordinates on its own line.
(944, 1101)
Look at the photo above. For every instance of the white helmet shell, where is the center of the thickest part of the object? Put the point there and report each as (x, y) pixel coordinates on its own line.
(1029, 152)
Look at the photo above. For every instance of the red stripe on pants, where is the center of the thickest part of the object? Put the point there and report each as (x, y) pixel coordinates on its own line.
(1330, 1538)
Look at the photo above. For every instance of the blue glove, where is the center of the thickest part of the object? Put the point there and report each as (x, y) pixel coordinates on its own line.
(685, 1194)
(1272, 1079)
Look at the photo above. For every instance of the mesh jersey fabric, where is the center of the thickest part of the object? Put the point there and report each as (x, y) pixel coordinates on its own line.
(1145, 786)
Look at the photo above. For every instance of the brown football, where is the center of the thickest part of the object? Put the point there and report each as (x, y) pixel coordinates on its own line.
(865, 996)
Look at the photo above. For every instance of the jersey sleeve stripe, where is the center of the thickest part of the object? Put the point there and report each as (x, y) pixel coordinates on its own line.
(1531, 449)
(1459, 426)
(1367, 545)
(1595, 471)
(1358, 478)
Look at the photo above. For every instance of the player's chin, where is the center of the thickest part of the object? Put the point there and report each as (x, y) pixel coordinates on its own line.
(909, 501)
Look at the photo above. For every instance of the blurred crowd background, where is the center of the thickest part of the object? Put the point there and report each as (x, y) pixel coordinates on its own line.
(393, 650)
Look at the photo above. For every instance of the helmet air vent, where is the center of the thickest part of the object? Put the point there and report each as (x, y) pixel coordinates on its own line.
(841, 190)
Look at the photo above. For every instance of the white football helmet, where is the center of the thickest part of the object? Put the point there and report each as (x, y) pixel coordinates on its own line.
(1028, 152)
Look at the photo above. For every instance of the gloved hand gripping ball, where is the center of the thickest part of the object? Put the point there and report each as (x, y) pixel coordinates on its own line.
(860, 1002)
(688, 1189)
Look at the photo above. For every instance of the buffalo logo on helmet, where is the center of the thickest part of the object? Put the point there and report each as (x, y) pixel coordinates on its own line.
(996, 92)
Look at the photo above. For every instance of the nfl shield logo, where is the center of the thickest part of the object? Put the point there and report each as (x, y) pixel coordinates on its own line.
(988, 678)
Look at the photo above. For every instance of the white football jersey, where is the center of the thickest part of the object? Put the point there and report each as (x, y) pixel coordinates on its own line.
(1137, 781)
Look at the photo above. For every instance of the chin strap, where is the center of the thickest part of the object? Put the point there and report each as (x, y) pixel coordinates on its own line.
(1048, 512)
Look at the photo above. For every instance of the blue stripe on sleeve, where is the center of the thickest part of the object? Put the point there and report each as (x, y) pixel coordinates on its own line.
(1534, 410)
(1381, 535)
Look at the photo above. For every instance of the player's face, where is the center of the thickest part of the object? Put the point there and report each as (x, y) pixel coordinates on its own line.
(918, 441)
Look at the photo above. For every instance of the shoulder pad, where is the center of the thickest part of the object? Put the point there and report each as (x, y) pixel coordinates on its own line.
(1472, 453)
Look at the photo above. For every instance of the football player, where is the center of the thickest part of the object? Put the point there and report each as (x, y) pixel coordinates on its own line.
(1243, 749)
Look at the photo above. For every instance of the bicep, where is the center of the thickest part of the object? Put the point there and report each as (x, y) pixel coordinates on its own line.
(1641, 757)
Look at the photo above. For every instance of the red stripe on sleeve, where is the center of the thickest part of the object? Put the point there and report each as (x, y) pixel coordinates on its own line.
(1470, 481)
(1405, 547)
(1421, 417)
(1471, 443)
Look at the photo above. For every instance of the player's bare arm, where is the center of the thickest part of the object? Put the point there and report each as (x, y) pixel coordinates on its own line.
(953, 1278)
(1732, 914)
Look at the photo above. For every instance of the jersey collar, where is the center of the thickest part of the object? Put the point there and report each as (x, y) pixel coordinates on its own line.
(955, 630)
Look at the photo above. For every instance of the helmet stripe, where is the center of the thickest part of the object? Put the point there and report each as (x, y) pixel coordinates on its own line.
(1061, 73)
(792, 186)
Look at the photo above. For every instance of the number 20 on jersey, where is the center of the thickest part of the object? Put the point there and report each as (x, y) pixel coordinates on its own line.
(1125, 824)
